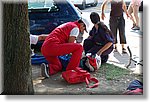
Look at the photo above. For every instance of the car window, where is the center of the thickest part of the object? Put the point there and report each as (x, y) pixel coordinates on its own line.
(37, 5)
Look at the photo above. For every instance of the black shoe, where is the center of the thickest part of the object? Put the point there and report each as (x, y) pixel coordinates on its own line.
(44, 70)
(124, 51)
(115, 49)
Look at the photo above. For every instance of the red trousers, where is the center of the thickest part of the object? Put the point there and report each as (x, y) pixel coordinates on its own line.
(51, 51)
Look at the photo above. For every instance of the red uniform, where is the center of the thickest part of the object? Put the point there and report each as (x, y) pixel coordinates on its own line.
(56, 44)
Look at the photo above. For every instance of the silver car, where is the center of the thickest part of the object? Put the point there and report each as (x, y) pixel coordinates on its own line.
(83, 3)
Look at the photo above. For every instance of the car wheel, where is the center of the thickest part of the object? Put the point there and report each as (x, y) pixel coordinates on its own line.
(83, 6)
(95, 3)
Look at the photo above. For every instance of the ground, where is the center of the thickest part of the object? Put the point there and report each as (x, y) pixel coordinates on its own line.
(109, 83)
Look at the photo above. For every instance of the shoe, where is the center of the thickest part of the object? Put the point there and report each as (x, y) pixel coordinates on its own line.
(115, 49)
(44, 70)
(136, 28)
(133, 26)
(124, 51)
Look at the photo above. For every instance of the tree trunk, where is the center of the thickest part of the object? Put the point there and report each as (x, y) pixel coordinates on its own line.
(16, 50)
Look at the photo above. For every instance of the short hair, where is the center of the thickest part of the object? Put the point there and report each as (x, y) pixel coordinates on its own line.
(94, 17)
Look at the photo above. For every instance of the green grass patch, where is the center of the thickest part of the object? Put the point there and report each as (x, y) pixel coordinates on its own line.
(110, 71)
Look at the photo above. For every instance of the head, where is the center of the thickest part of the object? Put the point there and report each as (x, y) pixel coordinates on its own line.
(94, 17)
(84, 24)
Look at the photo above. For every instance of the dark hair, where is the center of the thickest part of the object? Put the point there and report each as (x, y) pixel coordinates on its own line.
(95, 19)
(80, 21)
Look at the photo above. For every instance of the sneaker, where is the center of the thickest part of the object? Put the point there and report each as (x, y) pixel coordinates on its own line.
(133, 26)
(136, 28)
(44, 70)
(124, 51)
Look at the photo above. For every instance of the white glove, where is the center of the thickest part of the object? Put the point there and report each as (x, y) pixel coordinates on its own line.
(88, 54)
(98, 59)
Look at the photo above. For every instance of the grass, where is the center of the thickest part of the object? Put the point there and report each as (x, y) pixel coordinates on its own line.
(110, 71)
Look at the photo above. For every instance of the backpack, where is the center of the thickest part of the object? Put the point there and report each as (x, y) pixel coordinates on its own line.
(134, 88)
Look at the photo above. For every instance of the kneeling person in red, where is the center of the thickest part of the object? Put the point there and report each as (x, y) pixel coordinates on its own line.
(60, 42)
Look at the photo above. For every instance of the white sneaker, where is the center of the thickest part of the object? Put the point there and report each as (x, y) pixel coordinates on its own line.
(44, 70)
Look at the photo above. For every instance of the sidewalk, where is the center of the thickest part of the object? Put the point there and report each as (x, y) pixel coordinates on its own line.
(134, 41)
(122, 60)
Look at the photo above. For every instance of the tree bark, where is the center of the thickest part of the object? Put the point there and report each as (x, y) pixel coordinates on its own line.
(16, 50)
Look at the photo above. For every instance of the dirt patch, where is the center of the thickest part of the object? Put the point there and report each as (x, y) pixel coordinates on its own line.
(56, 85)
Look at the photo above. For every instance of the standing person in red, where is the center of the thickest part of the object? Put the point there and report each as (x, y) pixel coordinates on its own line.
(61, 41)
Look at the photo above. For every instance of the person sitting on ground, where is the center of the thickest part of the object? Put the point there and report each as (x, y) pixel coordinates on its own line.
(61, 42)
(100, 40)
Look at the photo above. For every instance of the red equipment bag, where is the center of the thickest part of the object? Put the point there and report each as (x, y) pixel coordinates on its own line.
(78, 75)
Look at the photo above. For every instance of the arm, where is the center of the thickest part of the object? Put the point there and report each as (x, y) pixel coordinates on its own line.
(104, 48)
(103, 8)
(42, 37)
(73, 35)
(124, 7)
(35, 38)
(71, 39)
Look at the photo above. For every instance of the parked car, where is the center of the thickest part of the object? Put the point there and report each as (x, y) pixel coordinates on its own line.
(46, 15)
(83, 3)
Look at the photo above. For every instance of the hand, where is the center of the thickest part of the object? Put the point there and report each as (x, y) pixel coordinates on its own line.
(128, 16)
(103, 16)
(99, 53)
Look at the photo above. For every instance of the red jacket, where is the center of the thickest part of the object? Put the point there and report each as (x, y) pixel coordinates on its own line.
(61, 33)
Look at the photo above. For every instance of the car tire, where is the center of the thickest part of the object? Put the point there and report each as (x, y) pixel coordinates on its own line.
(95, 3)
(83, 6)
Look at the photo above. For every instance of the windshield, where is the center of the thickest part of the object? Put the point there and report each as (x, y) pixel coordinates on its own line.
(36, 4)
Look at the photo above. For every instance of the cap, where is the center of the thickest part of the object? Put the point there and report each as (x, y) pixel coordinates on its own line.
(87, 24)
